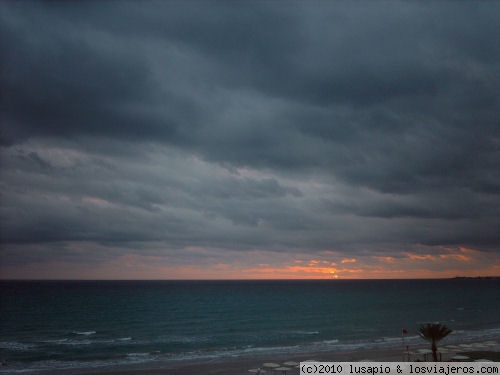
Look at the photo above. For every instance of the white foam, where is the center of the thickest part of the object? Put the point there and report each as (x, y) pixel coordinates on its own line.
(84, 333)
(77, 342)
(306, 333)
(329, 342)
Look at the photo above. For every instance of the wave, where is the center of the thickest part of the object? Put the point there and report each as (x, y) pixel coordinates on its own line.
(84, 333)
(16, 346)
(87, 341)
(138, 354)
(42, 344)
(55, 341)
(126, 350)
(178, 339)
(84, 342)
(328, 342)
(305, 333)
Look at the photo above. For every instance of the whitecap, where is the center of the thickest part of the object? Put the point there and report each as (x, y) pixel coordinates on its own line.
(84, 333)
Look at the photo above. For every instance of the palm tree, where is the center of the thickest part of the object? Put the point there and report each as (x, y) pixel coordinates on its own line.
(434, 332)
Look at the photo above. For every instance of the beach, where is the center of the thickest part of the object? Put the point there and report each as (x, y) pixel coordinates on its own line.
(489, 349)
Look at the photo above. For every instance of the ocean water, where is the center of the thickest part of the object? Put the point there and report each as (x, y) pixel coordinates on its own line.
(89, 324)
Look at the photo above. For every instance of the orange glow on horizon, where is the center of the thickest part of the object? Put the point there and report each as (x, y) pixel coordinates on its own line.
(444, 263)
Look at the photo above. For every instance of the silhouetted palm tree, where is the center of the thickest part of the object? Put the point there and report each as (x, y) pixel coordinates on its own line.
(434, 332)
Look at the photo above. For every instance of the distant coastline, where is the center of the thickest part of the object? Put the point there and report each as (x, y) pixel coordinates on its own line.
(476, 277)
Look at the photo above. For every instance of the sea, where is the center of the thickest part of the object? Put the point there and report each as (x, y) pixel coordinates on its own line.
(89, 325)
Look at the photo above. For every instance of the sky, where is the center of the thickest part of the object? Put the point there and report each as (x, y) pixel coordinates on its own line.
(249, 140)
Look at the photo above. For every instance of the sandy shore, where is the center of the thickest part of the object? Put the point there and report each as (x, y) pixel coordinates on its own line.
(241, 366)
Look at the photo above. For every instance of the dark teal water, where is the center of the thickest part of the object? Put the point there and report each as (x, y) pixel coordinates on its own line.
(49, 325)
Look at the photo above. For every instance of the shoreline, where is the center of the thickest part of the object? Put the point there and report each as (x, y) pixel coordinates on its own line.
(474, 350)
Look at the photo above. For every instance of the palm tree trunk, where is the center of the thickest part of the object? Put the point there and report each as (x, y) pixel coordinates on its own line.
(434, 351)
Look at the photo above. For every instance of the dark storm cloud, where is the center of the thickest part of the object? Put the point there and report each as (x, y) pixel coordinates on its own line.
(131, 200)
(250, 125)
(60, 78)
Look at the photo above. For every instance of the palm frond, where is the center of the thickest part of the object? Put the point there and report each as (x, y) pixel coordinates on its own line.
(434, 331)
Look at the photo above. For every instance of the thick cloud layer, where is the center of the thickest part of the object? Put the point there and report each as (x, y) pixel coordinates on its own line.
(150, 128)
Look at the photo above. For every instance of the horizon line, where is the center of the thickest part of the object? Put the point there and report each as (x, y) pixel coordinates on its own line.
(284, 279)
